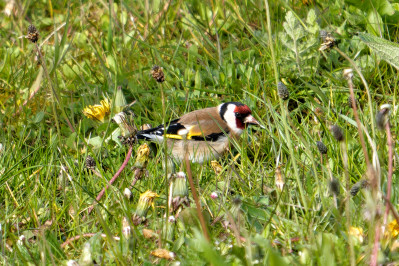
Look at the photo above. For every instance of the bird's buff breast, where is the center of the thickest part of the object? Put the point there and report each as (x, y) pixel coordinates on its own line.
(198, 151)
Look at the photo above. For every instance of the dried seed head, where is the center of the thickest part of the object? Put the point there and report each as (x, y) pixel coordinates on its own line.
(33, 34)
(120, 100)
(126, 124)
(382, 116)
(334, 186)
(157, 73)
(327, 39)
(283, 91)
(90, 163)
(163, 253)
(358, 186)
(348, 73)
(337, 133)
(321, 147)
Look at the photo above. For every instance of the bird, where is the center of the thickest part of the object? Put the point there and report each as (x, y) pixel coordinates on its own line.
(202, 134)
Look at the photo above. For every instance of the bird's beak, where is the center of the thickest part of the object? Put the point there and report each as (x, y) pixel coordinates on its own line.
(250, 120)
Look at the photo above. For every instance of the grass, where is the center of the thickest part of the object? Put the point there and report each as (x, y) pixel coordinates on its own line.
(211, 52)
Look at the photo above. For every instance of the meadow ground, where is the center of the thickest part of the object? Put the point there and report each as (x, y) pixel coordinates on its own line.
(317, 185)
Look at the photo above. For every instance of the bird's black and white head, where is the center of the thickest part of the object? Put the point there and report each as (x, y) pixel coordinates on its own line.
(237, 116)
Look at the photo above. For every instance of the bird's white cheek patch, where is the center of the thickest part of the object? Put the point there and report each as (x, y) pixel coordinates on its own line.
(230, 118)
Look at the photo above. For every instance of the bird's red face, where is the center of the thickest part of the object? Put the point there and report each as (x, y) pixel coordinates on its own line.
(244, 117)
(237, 116)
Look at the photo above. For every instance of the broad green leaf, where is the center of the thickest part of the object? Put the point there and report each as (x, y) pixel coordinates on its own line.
(293, 27)
(383, 7)
(388, 51)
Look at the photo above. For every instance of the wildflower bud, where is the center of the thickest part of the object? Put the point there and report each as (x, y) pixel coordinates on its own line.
(214, 195)
(180, 185)
(283, 91)
(157, 74)
(334, 186)
(279, 178)
(358, 186)
(33, 34)
(120, 100)
(127, 193)
(126, 229)
(337, 133)
(179, 192)
(163, 254)
(216, 167)
(382, 116)
(321, 147)
(142, 156)
(90, 163)
(146, 200)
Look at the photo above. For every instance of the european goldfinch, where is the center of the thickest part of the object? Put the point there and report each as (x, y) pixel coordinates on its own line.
(204, 134)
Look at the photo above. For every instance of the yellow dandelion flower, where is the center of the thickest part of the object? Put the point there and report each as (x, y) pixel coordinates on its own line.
(98, 112)
(148, 197)
(357, 233)
(146, 200)
(393, 229)
(142, 157)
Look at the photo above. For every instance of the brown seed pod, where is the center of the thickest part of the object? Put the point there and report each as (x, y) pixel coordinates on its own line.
(321, 147)
(33, 34)
(157, 73)
(337, 133)
(283, 91)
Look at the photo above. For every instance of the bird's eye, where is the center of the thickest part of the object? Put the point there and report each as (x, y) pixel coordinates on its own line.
(239, 115)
